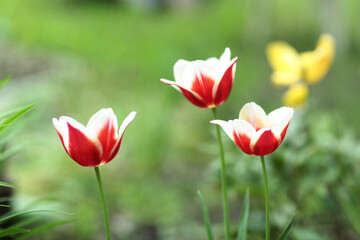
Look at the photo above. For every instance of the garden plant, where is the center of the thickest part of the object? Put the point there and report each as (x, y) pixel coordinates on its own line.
(261, 143)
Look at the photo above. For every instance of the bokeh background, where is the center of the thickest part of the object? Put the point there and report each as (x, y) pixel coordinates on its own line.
(74, 57)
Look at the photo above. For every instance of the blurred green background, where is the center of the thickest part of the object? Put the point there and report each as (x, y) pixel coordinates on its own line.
(74, 57)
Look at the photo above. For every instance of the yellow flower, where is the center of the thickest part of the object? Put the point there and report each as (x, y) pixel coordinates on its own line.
(296, 95)
(317, 63)
(290, 66)
(285, 61)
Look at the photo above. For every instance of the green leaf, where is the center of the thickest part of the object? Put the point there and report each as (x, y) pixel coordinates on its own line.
(14, 117)
(46, 227)
(12, 231)
(31, 211)
(206, 217)
(5, 184)
(286, 231)
(8, 113)
(31, 220)
(242, 230)
(4, 81)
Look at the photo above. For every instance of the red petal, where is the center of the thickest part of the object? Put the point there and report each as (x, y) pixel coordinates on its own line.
(283, 133)
(107, 138)
(115, 150)
(192, 98)
(188, 94)
(203, 85)
(266, 143)
(243, 142)
(82, 149)
(62, 142)
(225, 85)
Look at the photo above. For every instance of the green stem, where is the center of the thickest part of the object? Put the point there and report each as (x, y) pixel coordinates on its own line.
(106, 217)
(223, 181)
(267, 236)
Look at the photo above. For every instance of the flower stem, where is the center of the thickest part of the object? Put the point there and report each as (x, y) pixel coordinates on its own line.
(267, 234)
(106, 217)
(223, 181)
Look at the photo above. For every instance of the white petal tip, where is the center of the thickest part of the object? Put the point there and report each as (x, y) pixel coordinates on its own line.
(131, 115)
(166, 81)
(218, 122)
(126, 122)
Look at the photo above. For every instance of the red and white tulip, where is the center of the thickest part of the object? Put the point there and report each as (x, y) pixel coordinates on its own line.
(98, 142)
(256, 133)
(206, 84)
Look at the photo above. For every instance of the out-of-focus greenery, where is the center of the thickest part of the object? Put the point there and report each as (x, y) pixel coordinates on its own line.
(74, 59)
(15, 221)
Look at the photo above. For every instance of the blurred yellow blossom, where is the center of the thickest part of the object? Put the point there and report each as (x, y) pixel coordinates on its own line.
(317, 63)
(291, 67)
(285, 61)
(296, 95)
(297, 70)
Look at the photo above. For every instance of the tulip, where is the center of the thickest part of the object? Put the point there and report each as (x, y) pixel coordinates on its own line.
(98, 142)
(206, 84)
(93, 145)
(256, 133)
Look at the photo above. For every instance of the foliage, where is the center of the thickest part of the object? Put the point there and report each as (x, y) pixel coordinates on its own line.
(114, 57)
(14, 222)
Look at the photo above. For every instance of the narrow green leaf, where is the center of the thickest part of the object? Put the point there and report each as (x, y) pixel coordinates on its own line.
(12, 231)
(206, 217)
(46, 227)
(286, 230)
(29, 220)
(5, 184)
(31, 211)
(15, 116)
(2, 205)
(242, 230)
(8, 113)
(4, 81)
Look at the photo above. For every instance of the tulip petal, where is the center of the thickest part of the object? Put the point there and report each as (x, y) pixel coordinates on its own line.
(254, 114)
(123, 126)
(126, 122)
(225, 57)
(62, 131)
(222, 90)
(228, 127)
(200, 77)
(265, 142)
(104, 125)
(280, 118)
(193, 97)
(179, 68)
(243, 133)
(83, 146)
